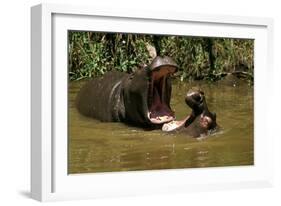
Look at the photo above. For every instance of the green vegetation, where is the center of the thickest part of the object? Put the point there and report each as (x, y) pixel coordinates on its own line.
(92, 54)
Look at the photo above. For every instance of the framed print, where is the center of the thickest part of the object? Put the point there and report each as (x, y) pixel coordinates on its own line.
(135, 102)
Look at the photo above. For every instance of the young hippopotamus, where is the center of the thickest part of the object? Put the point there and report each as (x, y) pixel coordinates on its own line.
(200, 122)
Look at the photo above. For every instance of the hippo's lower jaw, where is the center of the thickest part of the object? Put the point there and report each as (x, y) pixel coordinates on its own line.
(203, 121)
(174, 125)
(160, 119)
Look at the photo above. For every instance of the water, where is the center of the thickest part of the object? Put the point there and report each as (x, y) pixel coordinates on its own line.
(95, 146)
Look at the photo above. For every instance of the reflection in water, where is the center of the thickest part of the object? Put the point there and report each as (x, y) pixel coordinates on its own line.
(96, 146)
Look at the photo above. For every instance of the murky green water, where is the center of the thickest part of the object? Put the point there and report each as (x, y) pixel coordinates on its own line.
(95, 146)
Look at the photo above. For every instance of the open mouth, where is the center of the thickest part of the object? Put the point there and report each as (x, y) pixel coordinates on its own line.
(159, 110)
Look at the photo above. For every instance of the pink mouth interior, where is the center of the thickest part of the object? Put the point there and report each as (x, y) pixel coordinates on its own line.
(159, 111)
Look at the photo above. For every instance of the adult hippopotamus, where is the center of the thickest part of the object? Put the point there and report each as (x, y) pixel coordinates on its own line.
(200, 122)
(141, 98)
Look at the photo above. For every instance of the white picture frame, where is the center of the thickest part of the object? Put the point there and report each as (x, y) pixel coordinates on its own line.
(49, 178)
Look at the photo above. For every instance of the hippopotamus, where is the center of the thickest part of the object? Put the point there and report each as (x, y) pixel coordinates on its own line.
(141, 98)
(200, 122)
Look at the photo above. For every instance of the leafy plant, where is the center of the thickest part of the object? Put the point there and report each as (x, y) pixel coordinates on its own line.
(92, 54)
